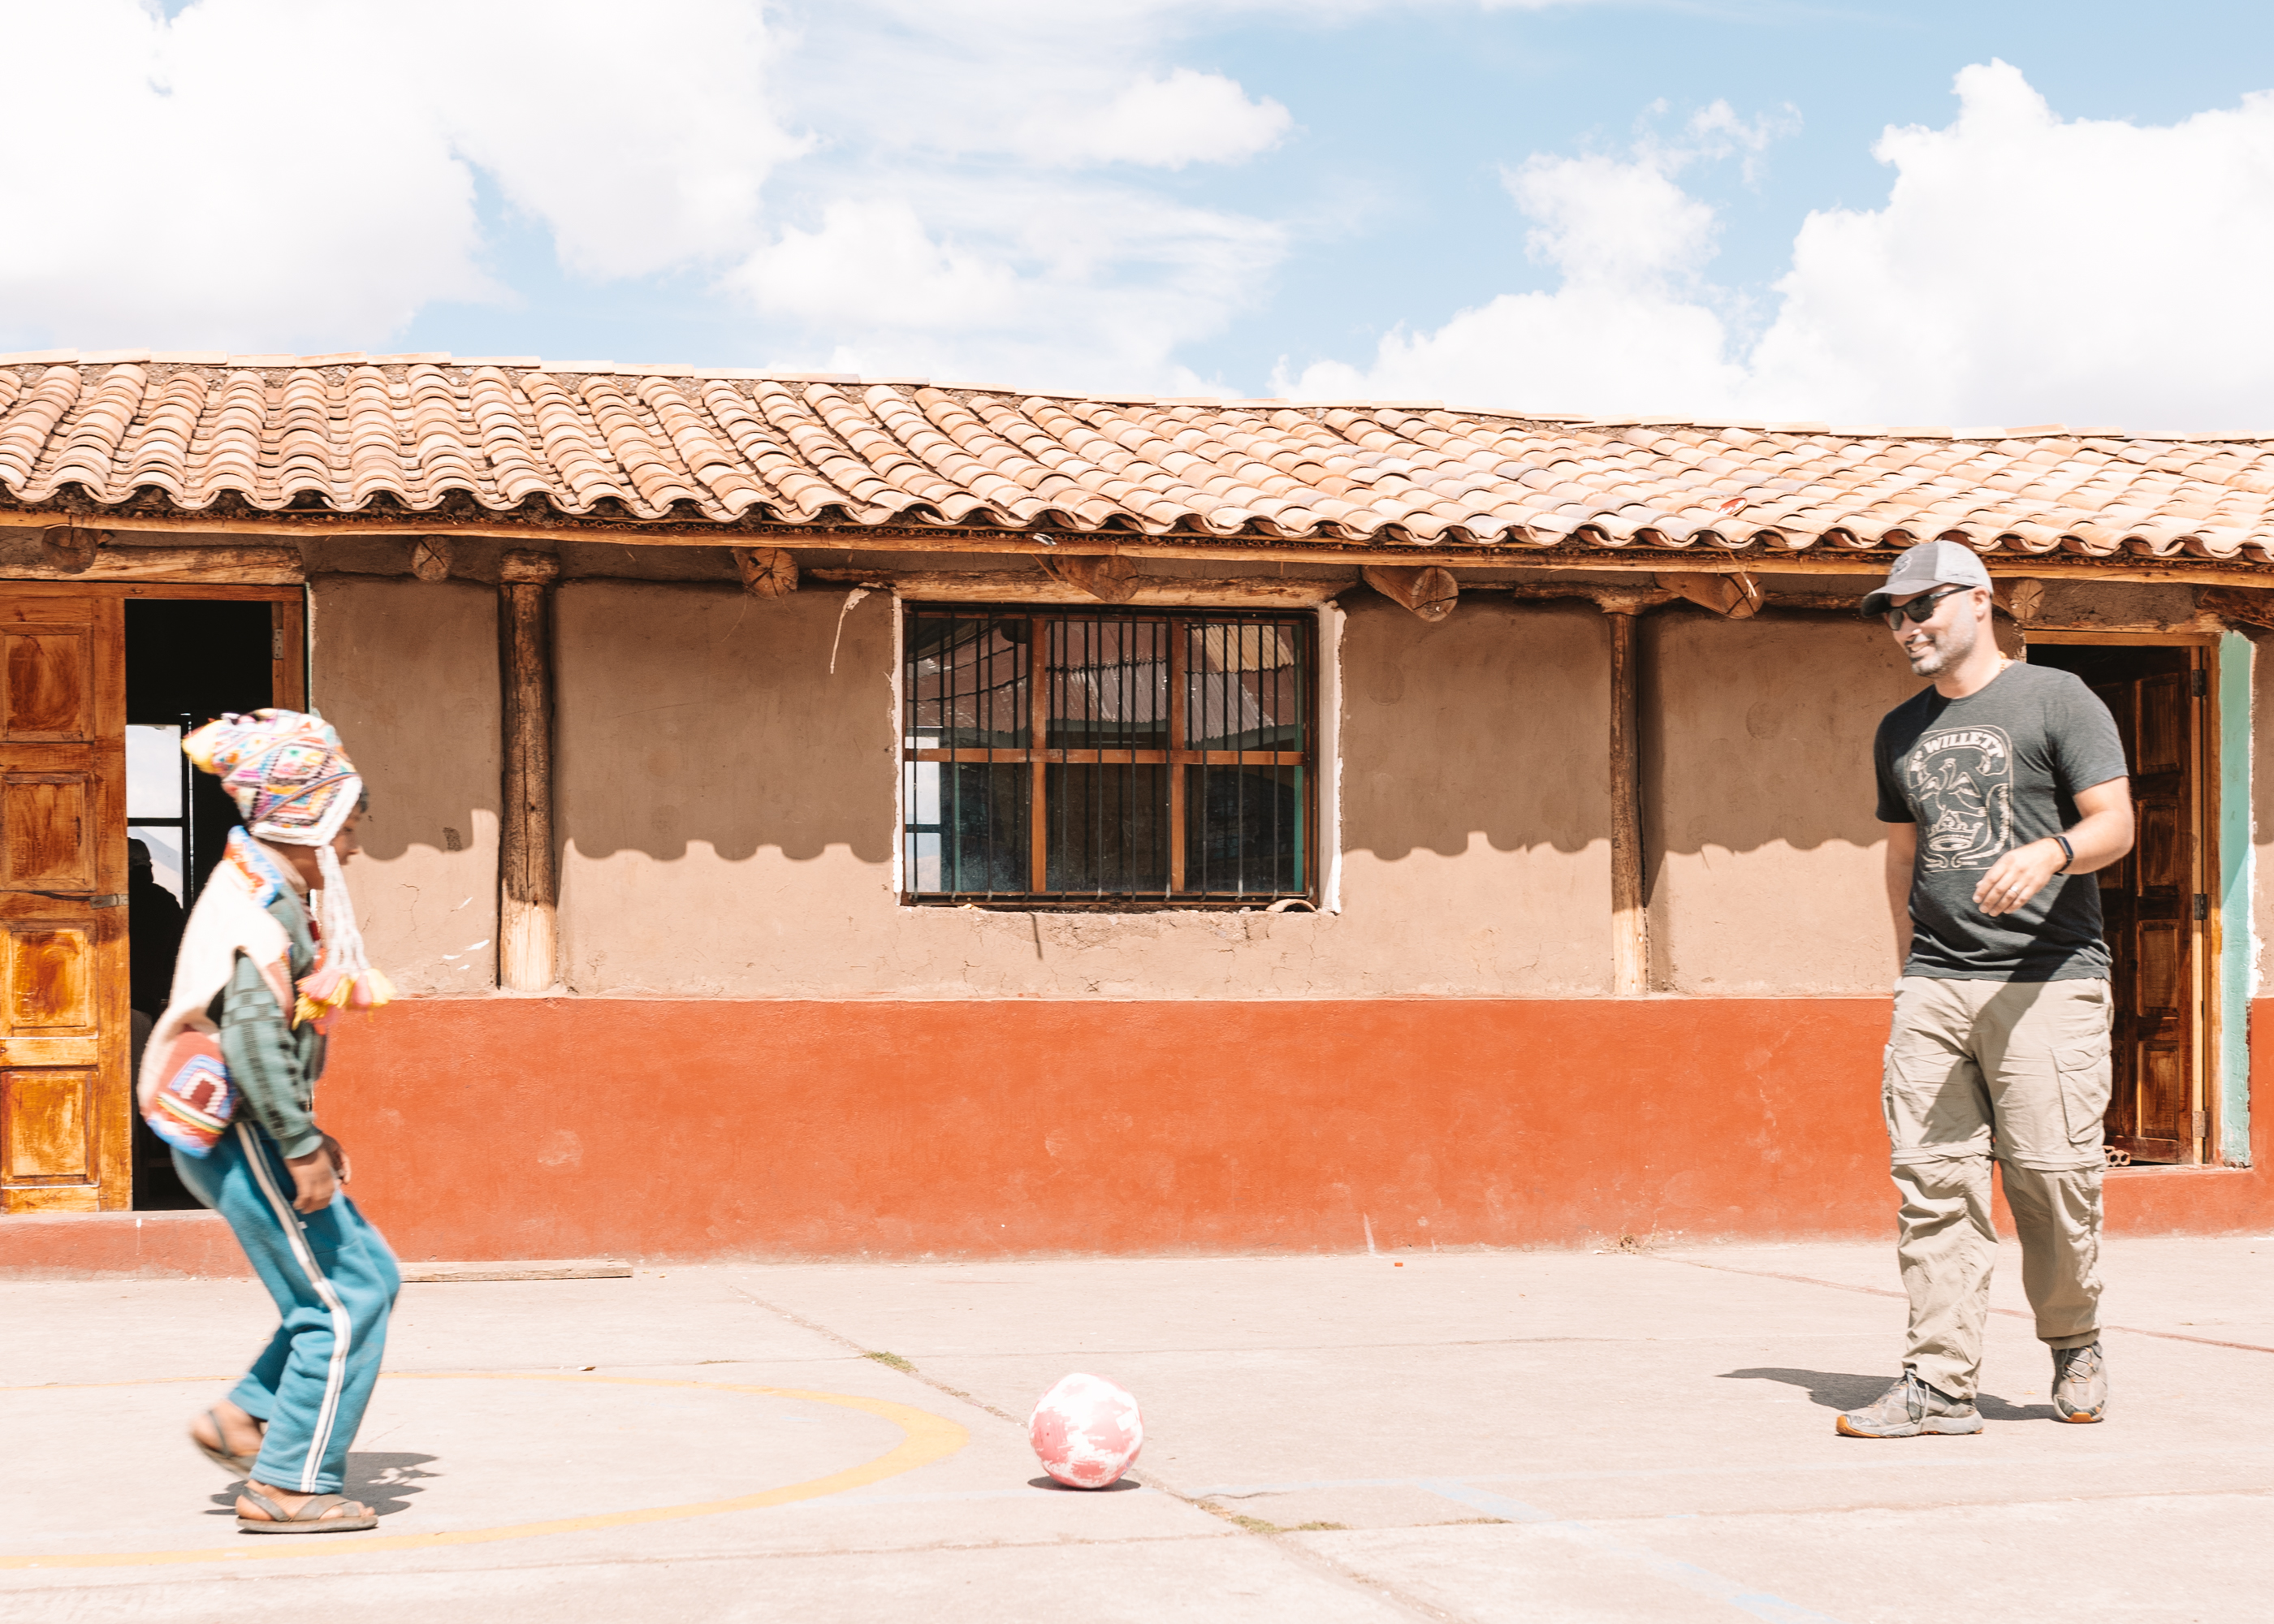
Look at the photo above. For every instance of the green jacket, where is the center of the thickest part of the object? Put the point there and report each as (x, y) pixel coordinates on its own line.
(274, 1064)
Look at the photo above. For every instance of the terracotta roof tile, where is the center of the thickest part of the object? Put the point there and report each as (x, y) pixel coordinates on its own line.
(729, 444)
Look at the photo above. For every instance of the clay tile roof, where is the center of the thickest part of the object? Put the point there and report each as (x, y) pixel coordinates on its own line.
(350, 433)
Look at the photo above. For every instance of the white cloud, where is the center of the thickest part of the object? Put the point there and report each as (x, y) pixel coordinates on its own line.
(2028, 268)
(1629, 328)
(980, 208)
(1027, 284)
(1188, 117)
(2025, 268)
(956, 183)
(872, 265)
(640, 134)
(256, 174)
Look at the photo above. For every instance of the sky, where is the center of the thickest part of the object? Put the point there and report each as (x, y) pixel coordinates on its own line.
(1895, 214)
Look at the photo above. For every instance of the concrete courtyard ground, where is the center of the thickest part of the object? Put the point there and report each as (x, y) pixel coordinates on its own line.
(1441, 1436)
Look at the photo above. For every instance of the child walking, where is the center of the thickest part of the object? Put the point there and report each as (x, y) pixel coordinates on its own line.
(270, 954)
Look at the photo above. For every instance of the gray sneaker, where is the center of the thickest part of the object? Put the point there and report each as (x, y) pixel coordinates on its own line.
(1909, 1409)
(2081, 1383)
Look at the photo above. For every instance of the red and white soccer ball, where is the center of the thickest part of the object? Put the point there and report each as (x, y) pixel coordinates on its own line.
(1086, 1432)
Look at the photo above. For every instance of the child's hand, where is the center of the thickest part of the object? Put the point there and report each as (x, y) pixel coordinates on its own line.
(314, 1179)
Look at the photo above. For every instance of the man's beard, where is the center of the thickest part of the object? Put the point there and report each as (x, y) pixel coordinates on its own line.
(1943, 650)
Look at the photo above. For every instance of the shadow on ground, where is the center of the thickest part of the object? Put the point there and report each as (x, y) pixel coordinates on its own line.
(383, 1482)
(1838, 1390)
(1120, 1486)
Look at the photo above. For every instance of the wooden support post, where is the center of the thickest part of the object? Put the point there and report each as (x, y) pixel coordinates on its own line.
(528, 881)
(1629, 919)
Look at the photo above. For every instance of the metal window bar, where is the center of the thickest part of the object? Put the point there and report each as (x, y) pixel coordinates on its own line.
(1107, 758)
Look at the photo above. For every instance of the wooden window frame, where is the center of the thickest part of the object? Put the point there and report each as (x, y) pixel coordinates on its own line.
(1177, 756)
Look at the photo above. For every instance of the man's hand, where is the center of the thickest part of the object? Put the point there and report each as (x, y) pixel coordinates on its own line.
(314, 1178)
(2018, 875)
(339, 1155)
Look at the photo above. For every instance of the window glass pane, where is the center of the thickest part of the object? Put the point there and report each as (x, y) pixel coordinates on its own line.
(1243, 686)
(967, 681)
(966, 827)
(1243, 829)
(1109, 829)
(1108, 684)
(154, 772)
(164, 845)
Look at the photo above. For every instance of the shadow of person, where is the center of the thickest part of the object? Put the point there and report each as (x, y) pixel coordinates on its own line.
(386, 1482)
(1837, 1390)
(1833, 1389)
(1996, 1409)
(383, 1482)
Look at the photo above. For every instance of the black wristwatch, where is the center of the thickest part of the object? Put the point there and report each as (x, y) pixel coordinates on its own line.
(2068, 852)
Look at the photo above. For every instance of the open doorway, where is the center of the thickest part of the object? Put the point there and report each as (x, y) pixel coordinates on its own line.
(187, 661)
(2155, 904)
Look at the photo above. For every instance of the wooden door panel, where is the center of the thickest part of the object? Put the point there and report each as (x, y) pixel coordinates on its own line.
(50, 983)
(2163, 725)
(2157, 844)
(47, 829)
(2162, 1069)
(45, 1127)
(2158, 982)
(66, 1100)
(51, 683)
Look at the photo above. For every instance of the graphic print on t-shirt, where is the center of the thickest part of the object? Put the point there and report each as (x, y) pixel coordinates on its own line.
(1961, 782)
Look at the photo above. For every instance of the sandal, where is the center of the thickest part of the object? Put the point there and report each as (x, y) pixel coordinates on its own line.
(309, 1519)
(235, 1465)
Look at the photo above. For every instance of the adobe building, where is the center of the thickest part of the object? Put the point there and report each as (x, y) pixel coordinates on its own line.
(816, 817)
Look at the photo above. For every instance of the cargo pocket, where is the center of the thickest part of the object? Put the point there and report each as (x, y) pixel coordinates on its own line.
(2084, 1085)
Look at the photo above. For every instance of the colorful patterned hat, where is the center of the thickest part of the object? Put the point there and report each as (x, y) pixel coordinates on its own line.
(287, 771)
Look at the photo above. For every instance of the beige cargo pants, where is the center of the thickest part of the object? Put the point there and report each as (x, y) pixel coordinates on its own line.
(2015, 1072)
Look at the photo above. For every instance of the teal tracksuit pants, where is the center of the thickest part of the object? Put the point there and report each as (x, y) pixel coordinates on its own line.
(334, 1281)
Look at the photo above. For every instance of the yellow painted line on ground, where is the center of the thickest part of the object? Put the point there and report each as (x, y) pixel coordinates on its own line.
(925, 1438)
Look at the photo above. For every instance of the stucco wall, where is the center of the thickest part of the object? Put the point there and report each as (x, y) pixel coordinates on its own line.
(726, 811)
(1765, 859)
(408, 672)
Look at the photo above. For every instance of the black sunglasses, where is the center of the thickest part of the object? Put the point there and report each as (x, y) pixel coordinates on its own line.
(1920, 610)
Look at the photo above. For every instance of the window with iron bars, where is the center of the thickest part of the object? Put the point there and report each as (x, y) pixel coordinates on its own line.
(1107, 758)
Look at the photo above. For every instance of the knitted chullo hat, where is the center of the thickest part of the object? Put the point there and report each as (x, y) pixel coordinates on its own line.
(293, 785)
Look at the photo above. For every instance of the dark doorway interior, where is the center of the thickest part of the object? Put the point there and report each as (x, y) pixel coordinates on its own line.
(2154, 902)
(187, 661)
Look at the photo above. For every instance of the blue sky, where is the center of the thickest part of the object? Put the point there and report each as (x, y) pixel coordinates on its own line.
(1248, 197)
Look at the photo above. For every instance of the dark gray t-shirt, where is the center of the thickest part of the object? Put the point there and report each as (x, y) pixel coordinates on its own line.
(1980, 776)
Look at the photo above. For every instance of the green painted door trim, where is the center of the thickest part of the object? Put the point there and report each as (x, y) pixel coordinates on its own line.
(2231, 1066)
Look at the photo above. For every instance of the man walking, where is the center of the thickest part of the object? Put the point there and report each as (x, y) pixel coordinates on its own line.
(270, 954)
(2002, 786)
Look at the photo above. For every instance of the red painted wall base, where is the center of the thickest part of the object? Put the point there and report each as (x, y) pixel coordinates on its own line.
(513, 1128)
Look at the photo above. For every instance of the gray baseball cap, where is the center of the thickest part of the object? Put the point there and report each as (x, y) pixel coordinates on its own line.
(1926, 567)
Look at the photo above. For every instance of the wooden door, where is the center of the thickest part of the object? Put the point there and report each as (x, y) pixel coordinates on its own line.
(65, 1094)
(2154, 905)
